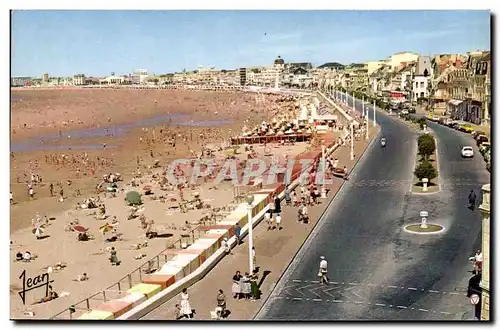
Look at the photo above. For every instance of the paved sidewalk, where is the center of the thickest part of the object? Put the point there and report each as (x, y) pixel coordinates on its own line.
(274, 251)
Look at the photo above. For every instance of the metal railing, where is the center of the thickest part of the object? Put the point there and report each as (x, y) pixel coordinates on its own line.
(119, 289)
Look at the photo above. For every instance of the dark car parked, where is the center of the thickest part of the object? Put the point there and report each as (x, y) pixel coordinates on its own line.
(481, 138)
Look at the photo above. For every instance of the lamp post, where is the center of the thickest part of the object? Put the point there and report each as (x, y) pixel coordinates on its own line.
(250, 199)
(363, 106)
(323, 160)
(366, 126)
(374, 115)
(352, 140)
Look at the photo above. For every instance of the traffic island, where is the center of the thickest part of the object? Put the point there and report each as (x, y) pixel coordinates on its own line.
(428, 229)
(425, 175)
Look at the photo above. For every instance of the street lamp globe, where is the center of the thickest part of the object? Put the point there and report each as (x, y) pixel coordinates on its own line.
(250, 199)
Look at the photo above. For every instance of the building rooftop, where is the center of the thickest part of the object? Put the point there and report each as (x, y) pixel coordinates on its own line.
(332, 65)
(279, 60)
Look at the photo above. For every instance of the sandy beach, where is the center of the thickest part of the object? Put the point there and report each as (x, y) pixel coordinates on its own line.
(112, 131)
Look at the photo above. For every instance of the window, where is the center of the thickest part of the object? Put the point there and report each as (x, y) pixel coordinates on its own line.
(421, 84)
(421, 94)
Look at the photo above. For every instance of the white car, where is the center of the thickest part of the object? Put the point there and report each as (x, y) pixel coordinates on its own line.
(467, 152)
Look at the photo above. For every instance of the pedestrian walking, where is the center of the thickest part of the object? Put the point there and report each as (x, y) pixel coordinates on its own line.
(246, 288)
(295, 201)
(472, 200)
(31, 192)
(236, 287)
(237, 232)
(305, 213)
(278, 222)
(254, 286)
(186, 309)
(268, 220)
(346, 174)
(323, 270)
(221, 304)
(114, 258)
(51, 188)
(288, 198)
(178, 313)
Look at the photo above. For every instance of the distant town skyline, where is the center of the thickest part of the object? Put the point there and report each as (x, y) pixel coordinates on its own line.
(96, 43)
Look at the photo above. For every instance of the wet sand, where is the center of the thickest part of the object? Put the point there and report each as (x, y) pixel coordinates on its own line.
(129, 111)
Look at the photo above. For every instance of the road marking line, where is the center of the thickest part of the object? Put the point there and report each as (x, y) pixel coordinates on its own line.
(402, 287)
(369, 284)
(433, 291)
(297, 298)
(377, 304)
(390, 305)
(358, 302)
(414, 289)
(337, 301)
(392, 286)
(334, 282)
(314, 281)
(351, 283)
(453, 293)
(403, 307)
(317, 299)
(423, 310)
(305, 281)
(446, 313)
(296, 281)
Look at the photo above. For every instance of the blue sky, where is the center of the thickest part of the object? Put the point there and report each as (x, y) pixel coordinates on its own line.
(97, 43)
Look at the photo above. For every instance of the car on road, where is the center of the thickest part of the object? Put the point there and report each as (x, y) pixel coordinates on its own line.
(467, 152)
(485, 147)
(475, 134)
(481, 139)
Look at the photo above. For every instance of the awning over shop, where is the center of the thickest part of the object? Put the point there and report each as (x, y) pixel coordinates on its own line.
(455, 102)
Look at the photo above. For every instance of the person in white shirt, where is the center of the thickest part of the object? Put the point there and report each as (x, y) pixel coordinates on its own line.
(305, 214)
(323, 270)
(267, 218)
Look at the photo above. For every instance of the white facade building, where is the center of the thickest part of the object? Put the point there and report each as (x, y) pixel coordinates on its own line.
(420, 87)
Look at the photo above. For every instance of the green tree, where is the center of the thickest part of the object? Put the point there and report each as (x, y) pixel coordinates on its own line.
(422, 122)
(425, 170)
(424, 137)
(426, 145)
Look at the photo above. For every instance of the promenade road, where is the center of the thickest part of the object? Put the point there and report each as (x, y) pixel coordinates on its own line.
(377, 270)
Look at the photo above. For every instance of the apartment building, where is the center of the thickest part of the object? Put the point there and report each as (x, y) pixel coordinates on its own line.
(79, 79)
(479, 66)
(20, 81)
(398, 60)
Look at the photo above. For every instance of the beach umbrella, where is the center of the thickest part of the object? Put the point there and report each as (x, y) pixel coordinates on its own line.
(80, 229)
(133, 198)
(38, 231)
(104, 229)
